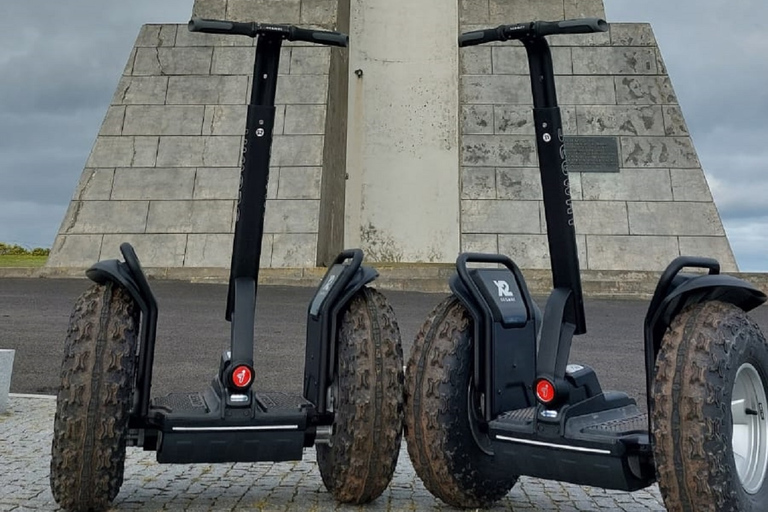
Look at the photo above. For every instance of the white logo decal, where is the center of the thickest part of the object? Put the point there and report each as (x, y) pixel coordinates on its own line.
(504, 294)
(241, 377)
(329, 284)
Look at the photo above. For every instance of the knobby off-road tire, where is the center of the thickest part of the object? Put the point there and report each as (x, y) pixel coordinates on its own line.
(93, 403)
(360, 460)
(692, 413)
(441, 443)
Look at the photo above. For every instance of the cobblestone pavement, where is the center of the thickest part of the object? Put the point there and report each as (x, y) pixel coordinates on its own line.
(25, 440)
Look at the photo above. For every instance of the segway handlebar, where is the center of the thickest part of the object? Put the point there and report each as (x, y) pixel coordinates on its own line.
(532, 30)
(488, 35)
(253, 29)
(319, 37)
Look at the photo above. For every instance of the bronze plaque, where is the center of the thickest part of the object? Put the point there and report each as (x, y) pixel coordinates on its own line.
(592, 154)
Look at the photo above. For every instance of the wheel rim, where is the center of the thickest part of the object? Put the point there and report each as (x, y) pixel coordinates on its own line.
(750, 428)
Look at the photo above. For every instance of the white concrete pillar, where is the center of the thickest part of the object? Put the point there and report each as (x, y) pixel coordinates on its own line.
(6, 368)
(402, 196)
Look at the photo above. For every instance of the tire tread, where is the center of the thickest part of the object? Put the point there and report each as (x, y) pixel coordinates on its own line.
(691, 405)
(440, 443)
(93, 402)
(359, 464)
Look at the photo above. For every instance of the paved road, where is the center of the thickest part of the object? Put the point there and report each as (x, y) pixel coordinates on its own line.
(192, 333)
(268, 487)
(33, 320)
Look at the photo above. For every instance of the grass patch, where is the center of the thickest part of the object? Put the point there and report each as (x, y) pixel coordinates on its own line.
(22, 260)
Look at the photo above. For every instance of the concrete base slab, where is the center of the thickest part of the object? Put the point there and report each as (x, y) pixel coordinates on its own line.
(6, 368)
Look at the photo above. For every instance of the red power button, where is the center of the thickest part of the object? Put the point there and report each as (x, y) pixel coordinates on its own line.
(242, 376)
(545, 391)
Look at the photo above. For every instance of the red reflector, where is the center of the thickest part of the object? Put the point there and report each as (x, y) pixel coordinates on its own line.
(242, 376)
(545, 391)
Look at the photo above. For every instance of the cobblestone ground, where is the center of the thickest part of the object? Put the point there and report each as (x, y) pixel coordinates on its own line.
(25, 441)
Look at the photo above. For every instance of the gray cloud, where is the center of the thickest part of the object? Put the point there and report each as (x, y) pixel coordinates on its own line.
(42, 155)
(60, 63)
(749, 242)
(715, 53)
(30, 223)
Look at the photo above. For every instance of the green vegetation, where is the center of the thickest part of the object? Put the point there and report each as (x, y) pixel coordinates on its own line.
(12, 255)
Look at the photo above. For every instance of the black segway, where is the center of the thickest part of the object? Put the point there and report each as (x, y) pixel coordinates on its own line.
(351, 405)
(490, 393)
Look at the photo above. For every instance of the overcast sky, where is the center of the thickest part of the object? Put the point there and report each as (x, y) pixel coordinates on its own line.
(60, 62)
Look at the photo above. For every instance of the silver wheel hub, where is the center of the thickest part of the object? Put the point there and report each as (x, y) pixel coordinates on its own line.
(750, 428)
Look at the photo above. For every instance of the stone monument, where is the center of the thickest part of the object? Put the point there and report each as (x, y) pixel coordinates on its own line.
(402, 144)
(656, 207)
(163, 173)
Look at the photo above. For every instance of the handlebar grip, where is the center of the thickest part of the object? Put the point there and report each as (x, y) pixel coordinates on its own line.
(480, 37)
(318, 37)
(577, 26)
(221, 27)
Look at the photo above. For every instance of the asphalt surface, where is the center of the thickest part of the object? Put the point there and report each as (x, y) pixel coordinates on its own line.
(192, 333)
(34, 314)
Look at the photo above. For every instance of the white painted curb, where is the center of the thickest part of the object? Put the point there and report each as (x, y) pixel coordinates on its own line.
(6, 368)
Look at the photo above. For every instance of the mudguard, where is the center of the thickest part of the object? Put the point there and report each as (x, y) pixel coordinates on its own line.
(130, 276)
(506, 321)
(675, 291)
(344, 278)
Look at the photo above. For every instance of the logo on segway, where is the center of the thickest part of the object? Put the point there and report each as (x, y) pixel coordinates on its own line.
(505, 295)
(329, 284)
(242, 376)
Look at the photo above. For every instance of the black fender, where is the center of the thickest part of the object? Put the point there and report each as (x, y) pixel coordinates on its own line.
(504, 338)
(344, 278)
(130, 276)
(676, 291)
(481, 320)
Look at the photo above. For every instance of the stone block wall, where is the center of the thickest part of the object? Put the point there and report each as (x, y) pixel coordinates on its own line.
(613, 84)
(163, 173)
